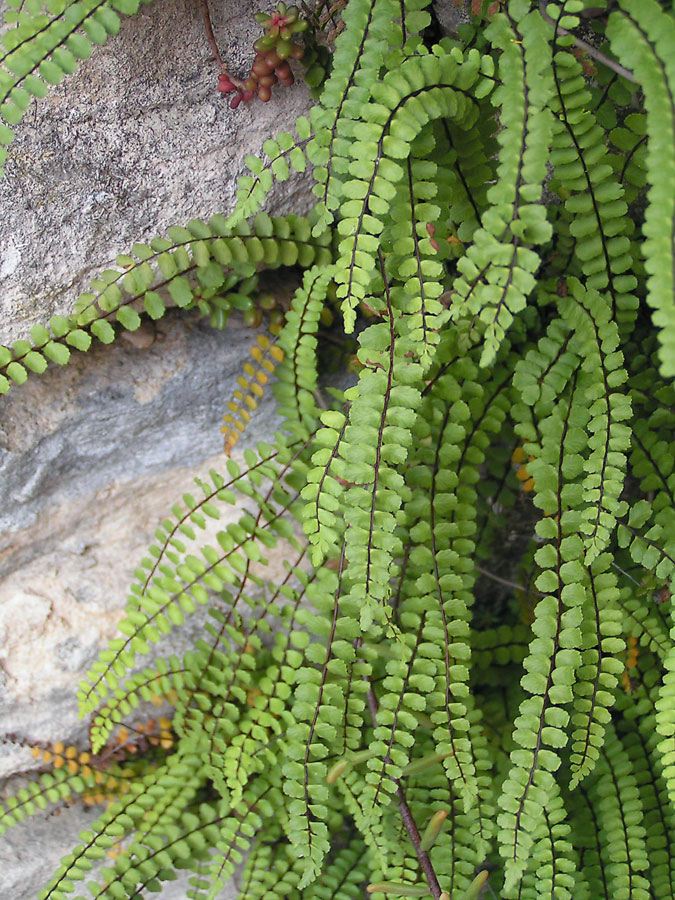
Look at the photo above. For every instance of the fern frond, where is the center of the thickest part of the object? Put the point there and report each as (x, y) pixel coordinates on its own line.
(643, 38)
(297, 377)
(415, 269)
(192, 515)
(318, 713)
(600, 668)
(376, 442)
(409, 680)
(120, 819)
(178, 588)
(497, 270)
(422, 89)
(596, 342)
(247, 716)
(644, 621)
(639, 739)
(266, 356)
(463, 174)
(187, 268)
(441, 517)
(370, 32)
(236, 830)
(344, 875)
(50, 788)
(620, 814)
(285, 153)
(593, 197)
(665, 720)
(554, 655)
(552, 866)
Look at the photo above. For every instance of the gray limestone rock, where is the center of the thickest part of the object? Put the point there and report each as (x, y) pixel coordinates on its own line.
(137, 140)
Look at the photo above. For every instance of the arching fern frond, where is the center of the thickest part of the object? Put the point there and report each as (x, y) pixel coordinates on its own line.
(188, 268)
(497, 271)
(642, 37)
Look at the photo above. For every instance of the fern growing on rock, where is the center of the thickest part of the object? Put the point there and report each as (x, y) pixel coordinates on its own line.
(435, 700)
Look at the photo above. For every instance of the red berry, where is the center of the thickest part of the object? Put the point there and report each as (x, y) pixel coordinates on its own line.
(260, 67)
(225, 86)
(235, 101)
(267, 80)
(264, 93)
(272, 59)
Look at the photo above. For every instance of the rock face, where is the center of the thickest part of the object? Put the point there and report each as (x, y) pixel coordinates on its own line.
(137, 140)
(91, 456)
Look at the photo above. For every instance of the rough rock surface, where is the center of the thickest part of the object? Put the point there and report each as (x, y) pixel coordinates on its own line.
(137, 140)
(91, 456)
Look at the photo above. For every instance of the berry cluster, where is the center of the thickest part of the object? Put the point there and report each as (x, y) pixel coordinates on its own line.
(273, 50)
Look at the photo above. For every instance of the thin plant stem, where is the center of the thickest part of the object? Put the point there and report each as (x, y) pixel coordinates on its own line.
(588, 48)
(504, 581)
(213, 43)
(210, 35)
(409, 822)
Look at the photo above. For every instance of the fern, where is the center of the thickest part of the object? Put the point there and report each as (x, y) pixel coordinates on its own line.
(640, 37)
(159, 274)
(498, 269)
(250, 389)
(464, 678)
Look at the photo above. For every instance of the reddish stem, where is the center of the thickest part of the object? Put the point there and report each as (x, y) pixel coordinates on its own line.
(408, 821)
(213, 44)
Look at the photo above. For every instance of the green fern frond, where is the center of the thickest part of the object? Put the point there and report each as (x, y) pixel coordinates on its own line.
(188, 268)
(593, 197)
(617, 800)
(497, 270)
(643, 37)
(596, 341)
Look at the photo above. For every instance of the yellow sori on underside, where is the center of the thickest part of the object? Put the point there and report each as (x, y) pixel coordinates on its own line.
(61, 757)
(519, 460)
(266, 356)
(632, 653)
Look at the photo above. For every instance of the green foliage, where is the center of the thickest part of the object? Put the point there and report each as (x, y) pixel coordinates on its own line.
(194, 267)
(643, 37)
(466, 670)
